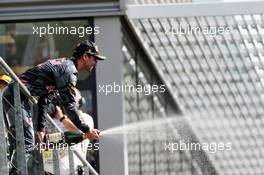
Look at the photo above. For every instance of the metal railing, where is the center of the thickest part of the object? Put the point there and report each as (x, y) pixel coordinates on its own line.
(20, 136)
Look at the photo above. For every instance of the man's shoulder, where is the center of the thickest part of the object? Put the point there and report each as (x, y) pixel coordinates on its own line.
(65, 65)
(70, 66)
(70, 72)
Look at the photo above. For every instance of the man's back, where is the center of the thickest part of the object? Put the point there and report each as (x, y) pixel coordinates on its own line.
(52, 74)
(55, 74)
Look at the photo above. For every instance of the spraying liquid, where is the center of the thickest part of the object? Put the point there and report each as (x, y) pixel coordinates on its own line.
(150, 129)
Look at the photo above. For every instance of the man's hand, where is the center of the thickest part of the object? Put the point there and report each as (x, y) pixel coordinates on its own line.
(92, 134)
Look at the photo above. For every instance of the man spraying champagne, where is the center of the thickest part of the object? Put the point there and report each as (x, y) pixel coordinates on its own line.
(55, 74)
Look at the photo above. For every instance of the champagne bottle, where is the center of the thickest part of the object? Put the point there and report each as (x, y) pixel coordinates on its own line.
(68, 137)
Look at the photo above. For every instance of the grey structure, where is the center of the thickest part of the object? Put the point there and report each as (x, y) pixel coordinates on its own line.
(110, 107)
(20, 143)
(3, 148)
(173, 10)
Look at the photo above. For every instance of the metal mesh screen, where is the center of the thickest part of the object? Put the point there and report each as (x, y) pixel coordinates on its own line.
(148, 156)
(214, 66)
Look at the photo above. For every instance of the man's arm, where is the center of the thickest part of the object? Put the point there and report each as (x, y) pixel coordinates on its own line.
(41, 119)
(67, 96)
(91, 135)
(65, 120)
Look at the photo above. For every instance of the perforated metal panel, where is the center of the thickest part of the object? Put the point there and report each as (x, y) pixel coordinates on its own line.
(217, 78)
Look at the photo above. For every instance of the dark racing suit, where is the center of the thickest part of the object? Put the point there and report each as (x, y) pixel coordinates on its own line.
(56, 74)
